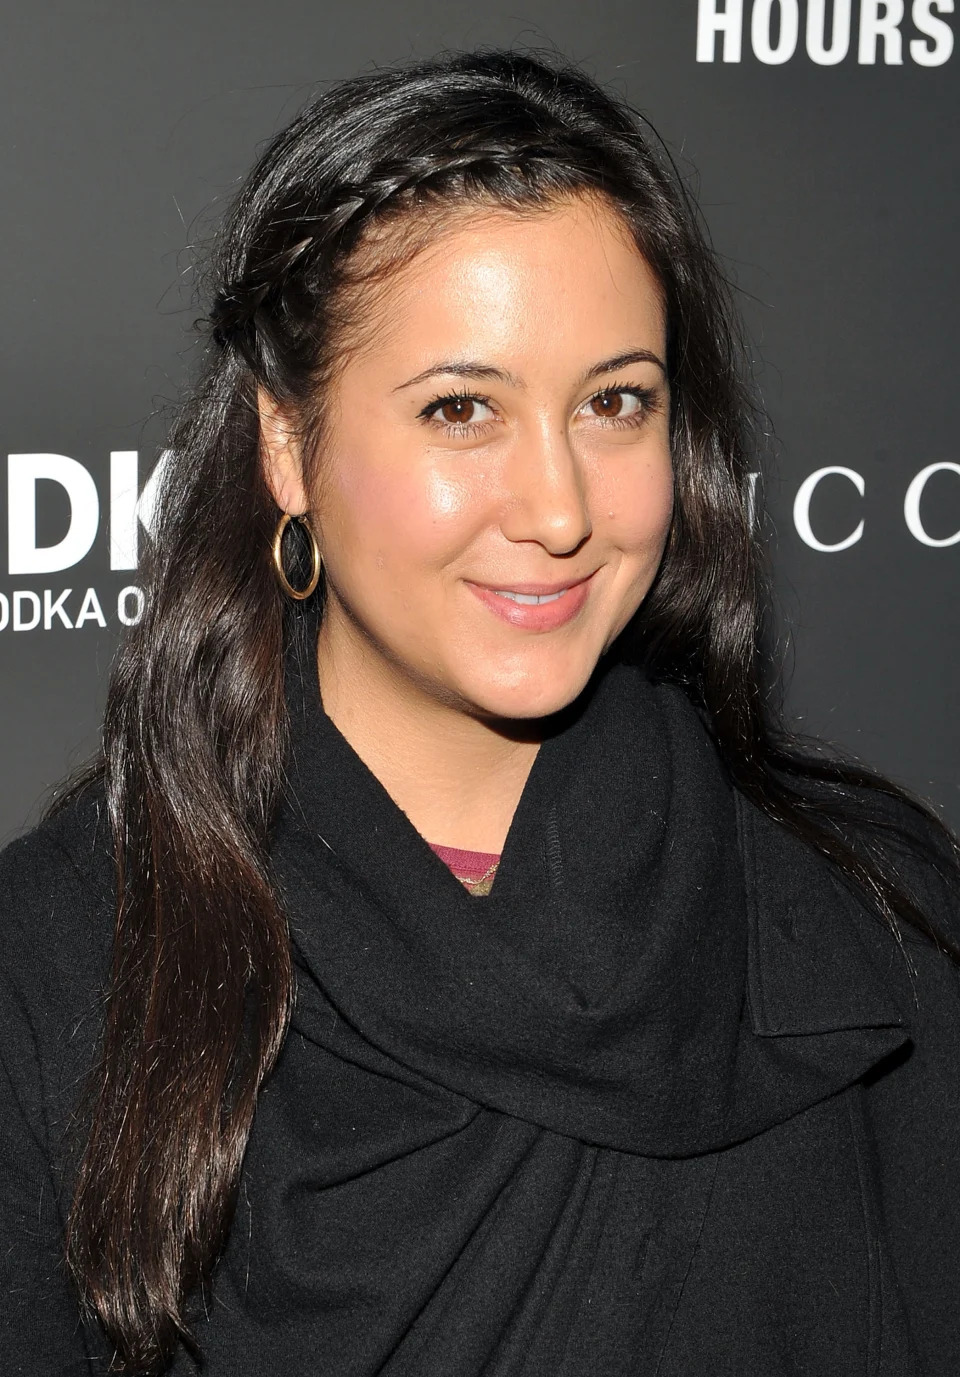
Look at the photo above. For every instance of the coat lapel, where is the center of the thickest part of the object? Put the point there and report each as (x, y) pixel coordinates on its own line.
(828, 989)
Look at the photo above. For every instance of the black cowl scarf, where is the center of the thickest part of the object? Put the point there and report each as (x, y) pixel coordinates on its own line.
(667, 1102)
(502, 1118)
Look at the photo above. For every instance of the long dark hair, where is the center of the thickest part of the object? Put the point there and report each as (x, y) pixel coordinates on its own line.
(194, 734)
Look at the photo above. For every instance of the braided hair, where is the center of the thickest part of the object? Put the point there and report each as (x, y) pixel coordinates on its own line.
(195, 730)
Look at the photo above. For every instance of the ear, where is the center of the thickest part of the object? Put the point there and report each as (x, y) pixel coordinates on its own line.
(280, 456)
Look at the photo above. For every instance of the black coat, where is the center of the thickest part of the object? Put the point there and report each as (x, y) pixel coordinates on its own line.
(756, 1176)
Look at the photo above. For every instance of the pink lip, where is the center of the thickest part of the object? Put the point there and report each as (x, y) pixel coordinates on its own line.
(538, 616)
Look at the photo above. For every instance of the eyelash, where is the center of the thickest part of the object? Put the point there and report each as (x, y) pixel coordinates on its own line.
(646, 396)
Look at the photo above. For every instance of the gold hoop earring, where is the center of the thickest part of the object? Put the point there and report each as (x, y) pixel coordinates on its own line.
(298, 593)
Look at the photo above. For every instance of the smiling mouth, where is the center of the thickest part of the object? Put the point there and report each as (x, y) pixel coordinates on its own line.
(529, 599)
(524, 605)
(531, 594)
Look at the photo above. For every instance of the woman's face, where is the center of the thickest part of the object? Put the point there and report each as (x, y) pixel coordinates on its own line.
(496, 484)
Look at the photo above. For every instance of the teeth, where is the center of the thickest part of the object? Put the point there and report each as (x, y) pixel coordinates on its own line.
(529, 599)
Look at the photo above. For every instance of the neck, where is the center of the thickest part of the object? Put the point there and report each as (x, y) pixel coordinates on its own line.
(457, 777)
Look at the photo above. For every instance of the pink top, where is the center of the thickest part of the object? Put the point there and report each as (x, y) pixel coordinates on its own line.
(475, 869)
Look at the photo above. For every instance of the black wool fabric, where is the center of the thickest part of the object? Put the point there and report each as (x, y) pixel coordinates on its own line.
(667, 1101)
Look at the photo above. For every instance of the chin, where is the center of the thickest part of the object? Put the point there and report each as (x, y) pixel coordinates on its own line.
(532, 694)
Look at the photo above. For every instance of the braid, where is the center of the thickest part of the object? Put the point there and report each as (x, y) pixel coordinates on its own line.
(476, 168)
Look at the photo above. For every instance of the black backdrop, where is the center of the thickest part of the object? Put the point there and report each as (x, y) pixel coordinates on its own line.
(824, 155)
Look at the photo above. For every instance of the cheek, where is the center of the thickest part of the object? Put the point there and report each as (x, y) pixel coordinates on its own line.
(400, 517)
(637, 506)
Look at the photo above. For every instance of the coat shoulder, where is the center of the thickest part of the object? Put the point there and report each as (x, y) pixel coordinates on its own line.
(57, 884)
(905, 837)
(912, 1105)
(921, 853)
(56, 931)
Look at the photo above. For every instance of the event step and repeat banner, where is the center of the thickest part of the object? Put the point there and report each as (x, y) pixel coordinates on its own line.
(822, 142)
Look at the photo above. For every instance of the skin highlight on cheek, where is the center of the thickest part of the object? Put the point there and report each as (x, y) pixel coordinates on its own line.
(447, 498)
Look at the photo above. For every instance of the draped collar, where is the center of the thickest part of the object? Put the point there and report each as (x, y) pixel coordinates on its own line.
(658, 968)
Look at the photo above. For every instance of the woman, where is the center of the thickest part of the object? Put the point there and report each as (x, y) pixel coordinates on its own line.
(449, 968)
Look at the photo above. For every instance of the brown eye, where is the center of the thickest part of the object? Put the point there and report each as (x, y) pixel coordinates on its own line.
(625, 405)
(607, 404)
(458, 411)
(458, 415)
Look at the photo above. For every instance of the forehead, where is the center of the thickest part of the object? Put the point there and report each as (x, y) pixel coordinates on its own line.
(566, 282)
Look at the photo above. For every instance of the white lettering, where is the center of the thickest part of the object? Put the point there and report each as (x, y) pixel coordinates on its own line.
(147, 505)
(941, 33)
(760, 28)
(801, 508)
(128, 510)
(4, 611)
(55, 609)
(885, 25)
(19, 598)
(23, 473)
(710, 23)
(90, 610)
(911, 506)
(817, 49)
(123, 509)
(880, 21)
(132, 591)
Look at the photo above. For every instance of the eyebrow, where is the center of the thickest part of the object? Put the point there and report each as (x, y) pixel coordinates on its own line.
(466, 369)
(487, 372)
(622, 361)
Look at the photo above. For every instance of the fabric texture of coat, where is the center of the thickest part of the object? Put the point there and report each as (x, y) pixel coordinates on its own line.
(667, 1102)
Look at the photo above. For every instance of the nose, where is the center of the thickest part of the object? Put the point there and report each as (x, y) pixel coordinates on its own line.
(546, 497)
